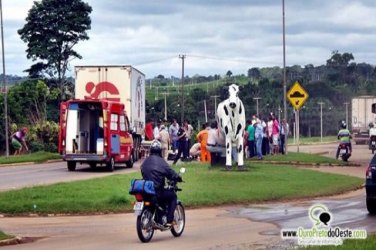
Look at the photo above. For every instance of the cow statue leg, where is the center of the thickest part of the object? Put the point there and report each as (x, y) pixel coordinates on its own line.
(240, 152)
(228, 152)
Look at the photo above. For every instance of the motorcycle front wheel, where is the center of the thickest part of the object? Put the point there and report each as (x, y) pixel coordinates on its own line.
(179, 221)
(145, 230)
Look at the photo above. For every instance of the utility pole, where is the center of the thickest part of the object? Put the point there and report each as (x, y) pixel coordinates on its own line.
(347, 114)
(284, 68)
(206, 112)
(4, 83)
(182, 57)
(215, 104)
(257, 105)
(320, 103)
(165, 105)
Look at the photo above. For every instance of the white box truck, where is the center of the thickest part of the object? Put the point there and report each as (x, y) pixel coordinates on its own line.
(105, 122)
(362, 116)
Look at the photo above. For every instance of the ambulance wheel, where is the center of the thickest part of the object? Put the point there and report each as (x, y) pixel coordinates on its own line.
(93, 165)
(130, 162)
(111, 164)
(71, 165)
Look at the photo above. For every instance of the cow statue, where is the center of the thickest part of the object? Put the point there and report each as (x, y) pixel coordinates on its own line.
(231, 120)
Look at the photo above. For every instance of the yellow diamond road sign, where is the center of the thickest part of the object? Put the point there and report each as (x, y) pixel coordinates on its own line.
(297, 95)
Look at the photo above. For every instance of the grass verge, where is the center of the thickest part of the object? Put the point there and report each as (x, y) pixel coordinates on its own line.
(293, 157)
(37, 157)
(203, 186)
(366, 244)
(4, 236)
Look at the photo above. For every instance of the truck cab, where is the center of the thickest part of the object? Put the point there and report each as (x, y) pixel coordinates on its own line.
(95, 132)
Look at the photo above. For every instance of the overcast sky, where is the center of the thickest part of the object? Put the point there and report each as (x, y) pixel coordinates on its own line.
(215, 35)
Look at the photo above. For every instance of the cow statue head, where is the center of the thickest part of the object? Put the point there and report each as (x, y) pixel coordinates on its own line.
(233, 91)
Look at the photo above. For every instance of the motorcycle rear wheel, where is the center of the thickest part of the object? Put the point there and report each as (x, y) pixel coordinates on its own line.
(177, 228)
(145, 230)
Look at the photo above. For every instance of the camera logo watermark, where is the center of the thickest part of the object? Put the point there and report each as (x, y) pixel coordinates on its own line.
(321, 233)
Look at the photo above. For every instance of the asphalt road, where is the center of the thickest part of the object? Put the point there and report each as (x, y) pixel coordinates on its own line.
(14, 177)
(230, 227)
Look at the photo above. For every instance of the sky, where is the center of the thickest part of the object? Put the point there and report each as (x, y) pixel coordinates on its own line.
(215, 35)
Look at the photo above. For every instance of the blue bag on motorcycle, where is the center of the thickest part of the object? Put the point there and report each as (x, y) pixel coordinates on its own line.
(142, 186)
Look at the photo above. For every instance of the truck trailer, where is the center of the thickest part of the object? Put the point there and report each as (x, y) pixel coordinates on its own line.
(104, 124)
(362, 116)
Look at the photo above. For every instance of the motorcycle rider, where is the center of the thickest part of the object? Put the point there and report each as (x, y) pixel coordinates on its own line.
(344, 136)
(372, 132)
(156, 169)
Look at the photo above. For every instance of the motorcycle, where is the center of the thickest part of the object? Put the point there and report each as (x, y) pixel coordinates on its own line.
(372, 144)
(153, 216)
(344, 151)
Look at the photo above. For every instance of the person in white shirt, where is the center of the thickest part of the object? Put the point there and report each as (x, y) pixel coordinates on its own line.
(216, 143)
(156, 131)
(372, 132)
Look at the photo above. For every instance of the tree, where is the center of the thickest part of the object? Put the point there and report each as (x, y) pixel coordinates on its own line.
(254, 73)
(52, 29)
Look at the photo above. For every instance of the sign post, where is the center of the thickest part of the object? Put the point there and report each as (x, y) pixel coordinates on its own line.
(297, 97)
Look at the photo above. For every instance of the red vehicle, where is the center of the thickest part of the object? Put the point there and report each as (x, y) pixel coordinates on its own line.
(95, 132)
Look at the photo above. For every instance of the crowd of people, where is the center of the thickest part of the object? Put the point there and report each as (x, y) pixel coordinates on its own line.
(263, 136)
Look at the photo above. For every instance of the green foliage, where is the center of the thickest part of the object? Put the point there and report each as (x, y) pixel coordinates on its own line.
(52, 29)
(44, 136)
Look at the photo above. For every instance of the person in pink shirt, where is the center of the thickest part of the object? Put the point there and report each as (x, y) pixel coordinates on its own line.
(18, 141)
(275, 134)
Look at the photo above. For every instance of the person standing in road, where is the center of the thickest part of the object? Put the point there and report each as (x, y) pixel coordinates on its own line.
(164, 138)
(188, 134)
(259, 131)
(251, 138)
(182, 143)
(283, 135)
(149, 130)
(173, 131)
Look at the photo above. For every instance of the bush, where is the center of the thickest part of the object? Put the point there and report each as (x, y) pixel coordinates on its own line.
(36, 146)
(50, 147)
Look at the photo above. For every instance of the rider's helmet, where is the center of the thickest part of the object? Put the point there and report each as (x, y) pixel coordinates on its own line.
(156, 148)
(370, 124)
(343, 124)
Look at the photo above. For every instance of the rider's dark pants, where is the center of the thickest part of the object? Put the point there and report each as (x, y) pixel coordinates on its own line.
(350, 148)
(168, 198)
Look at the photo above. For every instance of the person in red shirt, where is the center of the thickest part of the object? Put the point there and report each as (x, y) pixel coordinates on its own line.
(149, 130)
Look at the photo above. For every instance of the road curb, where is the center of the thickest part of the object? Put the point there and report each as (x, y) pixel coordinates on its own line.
(28, 163)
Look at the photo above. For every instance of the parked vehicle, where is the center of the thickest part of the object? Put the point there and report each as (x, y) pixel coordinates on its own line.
(372, 144)
(344, 151)
(362, 115)
(152, 216)
(95, 132)
(371, 186)
(104, 124)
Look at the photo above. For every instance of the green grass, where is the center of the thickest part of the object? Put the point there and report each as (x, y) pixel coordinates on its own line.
(4, 236)
(203, 186)
(294, 157)
(366, 244)
(312, 140)
(37, 157)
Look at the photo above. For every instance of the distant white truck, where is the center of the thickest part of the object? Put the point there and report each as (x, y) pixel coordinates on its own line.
(362, 116)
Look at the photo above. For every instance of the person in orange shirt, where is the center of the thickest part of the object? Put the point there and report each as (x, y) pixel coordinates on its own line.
(202, 138)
